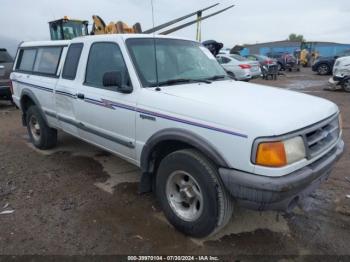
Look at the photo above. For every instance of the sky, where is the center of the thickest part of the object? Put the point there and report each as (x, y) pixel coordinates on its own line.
(250, 21)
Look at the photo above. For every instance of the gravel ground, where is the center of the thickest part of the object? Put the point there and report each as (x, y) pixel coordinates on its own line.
(78, 199)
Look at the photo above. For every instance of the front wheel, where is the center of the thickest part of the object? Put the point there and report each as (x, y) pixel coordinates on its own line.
(191, 193)
(41, 135)
(323, 69)
(346, 85)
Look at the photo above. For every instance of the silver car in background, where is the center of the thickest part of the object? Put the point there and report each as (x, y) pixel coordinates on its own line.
(239, 67)
(6, 64)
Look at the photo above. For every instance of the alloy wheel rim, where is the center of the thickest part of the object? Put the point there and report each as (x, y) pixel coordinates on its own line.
(34, 128)
(184, 195)
(323, 69)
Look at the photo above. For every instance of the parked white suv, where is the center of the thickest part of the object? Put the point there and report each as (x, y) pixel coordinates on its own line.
(202, 140)
(341, 74)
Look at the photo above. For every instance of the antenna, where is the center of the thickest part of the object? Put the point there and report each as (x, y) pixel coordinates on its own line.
(155, 47)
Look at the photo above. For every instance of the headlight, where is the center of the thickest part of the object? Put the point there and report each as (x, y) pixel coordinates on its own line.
(280, 153)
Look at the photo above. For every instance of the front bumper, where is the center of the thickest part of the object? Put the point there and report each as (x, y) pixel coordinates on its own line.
(256, 74)
(336, 81)
(279, 193)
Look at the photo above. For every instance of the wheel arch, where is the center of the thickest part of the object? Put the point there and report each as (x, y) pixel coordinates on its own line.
(28, 99)
(169, 140)
(327, 63)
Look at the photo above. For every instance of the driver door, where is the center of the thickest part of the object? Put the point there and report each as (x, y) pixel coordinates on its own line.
(106, 117)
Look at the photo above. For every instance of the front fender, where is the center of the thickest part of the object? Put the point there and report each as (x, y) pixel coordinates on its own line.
(181, 135)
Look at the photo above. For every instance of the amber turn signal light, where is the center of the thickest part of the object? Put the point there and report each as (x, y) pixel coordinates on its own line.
(271, 154)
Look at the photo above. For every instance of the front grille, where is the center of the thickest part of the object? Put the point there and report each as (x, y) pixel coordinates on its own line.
(320, 137)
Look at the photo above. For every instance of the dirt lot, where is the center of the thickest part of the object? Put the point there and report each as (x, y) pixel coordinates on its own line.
(77, 199)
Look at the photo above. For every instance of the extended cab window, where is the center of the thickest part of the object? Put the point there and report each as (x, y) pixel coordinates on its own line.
(40, 60)
(26, 59)
(47, 60)
(72, 61)
(104, 57)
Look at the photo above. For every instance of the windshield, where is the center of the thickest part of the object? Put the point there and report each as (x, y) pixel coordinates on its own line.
(176, 59)
(72, 29)
(5, 57)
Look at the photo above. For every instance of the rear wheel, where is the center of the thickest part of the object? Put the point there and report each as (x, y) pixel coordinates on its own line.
(41, 135)
(323, 69)
(191, 193)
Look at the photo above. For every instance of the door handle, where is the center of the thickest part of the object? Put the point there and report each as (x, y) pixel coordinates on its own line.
(80, 96)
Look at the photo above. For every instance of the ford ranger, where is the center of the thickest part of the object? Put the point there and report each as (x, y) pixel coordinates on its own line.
(204, 142)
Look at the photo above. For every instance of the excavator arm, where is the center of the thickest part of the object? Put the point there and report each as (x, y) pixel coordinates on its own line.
(68, 29)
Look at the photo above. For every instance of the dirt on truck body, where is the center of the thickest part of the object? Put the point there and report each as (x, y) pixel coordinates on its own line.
(78, 200)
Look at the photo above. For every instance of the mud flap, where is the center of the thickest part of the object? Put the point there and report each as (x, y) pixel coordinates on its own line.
(146, 183)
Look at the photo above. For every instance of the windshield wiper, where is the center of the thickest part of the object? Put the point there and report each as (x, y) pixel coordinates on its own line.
(179, 81)
(216, 77)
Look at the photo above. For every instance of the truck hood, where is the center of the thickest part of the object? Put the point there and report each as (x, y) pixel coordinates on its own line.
(252, 109)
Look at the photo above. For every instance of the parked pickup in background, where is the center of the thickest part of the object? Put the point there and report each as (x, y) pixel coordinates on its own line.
(6, 64)
(324, 64)
(203, 141)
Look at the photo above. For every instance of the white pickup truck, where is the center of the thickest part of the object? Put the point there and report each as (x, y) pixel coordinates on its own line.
(203, 141)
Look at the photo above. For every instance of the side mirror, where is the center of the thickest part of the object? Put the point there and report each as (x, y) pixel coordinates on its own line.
(115, 79)
(336, 57)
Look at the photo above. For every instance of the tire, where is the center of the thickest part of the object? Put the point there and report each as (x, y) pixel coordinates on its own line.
(40, 134)
(323, 69)
(189, 172)
(346, 85)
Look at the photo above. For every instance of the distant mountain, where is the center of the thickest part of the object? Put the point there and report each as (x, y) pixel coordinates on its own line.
(10, 44)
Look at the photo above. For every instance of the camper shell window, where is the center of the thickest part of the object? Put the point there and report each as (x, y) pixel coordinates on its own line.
(39, 60)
